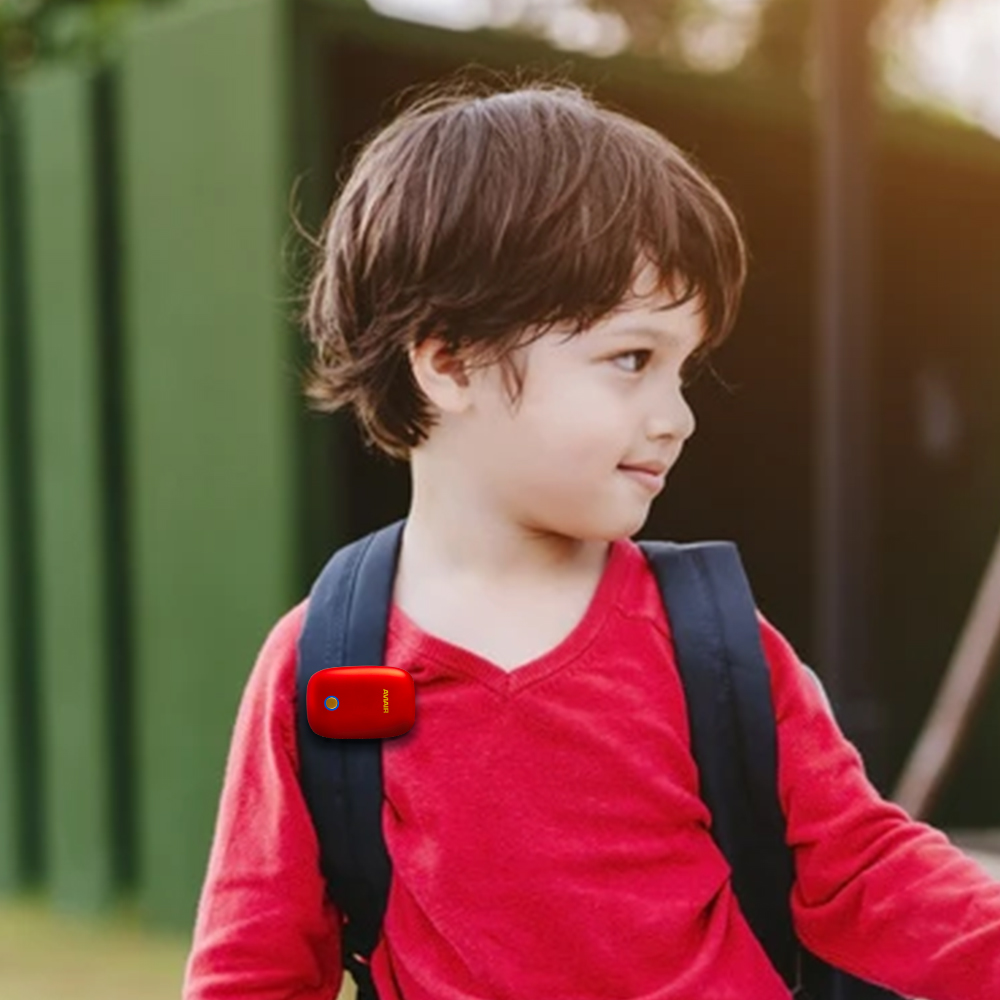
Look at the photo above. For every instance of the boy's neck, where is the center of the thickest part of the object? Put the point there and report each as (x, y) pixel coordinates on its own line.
(457, 529)
(492, 552)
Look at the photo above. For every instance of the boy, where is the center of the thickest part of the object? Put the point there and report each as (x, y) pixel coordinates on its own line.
(511, 292)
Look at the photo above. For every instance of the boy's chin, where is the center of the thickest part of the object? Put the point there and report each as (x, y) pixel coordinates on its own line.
(625, 527)
(641, 516)
(608, 525)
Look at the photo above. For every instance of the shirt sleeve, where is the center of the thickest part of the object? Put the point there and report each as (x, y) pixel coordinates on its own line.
(264, 927)
(876, 893)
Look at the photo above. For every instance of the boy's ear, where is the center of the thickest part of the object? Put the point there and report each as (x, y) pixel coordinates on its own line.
(441, 373)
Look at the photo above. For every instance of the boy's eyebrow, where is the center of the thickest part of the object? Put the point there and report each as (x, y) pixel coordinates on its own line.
(639, 328)
(669, 335)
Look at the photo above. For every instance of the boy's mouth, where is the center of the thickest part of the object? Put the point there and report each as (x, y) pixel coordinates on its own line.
(653, 468)
(650, 476)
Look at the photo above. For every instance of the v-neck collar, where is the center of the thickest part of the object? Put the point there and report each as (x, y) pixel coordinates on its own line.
(420, 644)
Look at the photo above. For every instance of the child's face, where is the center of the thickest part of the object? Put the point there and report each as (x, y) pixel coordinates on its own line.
(608, 397)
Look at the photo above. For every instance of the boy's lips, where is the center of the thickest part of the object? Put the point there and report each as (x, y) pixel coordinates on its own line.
(651, 475)
(653, 468)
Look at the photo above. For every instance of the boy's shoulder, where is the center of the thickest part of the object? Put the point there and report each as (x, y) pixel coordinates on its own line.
(282, 639)
(285, 631)
(272, 678)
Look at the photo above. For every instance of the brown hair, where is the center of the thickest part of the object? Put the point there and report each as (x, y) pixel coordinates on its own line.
(480, 212)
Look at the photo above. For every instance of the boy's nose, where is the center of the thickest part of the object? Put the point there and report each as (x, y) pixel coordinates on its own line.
(677, 421)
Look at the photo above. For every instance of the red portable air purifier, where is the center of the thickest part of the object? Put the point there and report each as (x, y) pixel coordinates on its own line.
(361, 703)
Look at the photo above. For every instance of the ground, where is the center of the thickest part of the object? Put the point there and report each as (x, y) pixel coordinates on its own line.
(48, 956)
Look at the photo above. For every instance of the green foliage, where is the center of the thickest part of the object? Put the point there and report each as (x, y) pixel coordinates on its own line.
(32, 31)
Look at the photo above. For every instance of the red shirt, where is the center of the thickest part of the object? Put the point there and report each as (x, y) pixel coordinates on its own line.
(547, 838)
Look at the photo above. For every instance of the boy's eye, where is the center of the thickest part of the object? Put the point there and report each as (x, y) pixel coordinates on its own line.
(645, 355)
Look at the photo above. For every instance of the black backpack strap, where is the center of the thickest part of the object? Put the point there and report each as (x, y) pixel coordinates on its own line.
(726, 681)
(346, 621)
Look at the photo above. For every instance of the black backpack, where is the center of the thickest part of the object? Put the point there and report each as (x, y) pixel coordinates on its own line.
(727, 688)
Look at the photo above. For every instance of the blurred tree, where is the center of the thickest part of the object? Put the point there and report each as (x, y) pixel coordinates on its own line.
(780, 44)
(782, 37)
(33, 30)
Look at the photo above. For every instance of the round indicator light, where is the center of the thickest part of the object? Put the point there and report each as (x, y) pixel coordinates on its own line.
(331, 702)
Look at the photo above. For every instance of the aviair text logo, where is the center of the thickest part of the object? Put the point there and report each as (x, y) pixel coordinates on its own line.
(385, 699)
